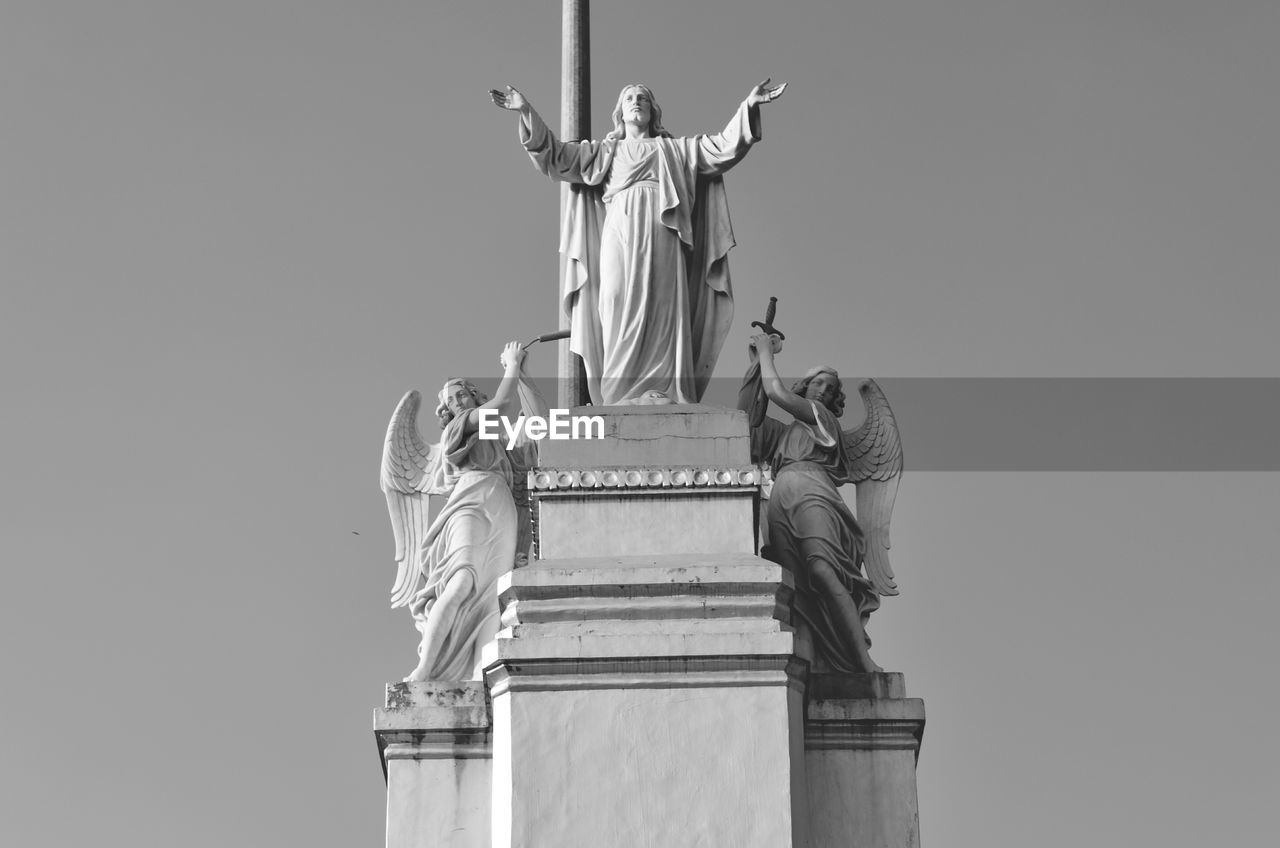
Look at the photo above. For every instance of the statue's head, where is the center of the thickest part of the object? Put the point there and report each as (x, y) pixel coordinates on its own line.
(457, 396)
(637, 106)
(822, 384)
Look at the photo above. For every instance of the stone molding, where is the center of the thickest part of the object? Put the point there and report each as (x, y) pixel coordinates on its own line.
(614, 591)
(864, 724)
(548, 480)
(840, 687)
(656, 672)
(679, 621)
(438, 749)
(864, 736)
(434, 721)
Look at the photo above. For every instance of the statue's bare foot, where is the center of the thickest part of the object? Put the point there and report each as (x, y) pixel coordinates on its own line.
(418, 675)
(655, 398)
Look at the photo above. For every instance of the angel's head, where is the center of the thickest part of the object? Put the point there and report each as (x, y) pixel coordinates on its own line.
(822, 384)
(637, 106)
(457, 396)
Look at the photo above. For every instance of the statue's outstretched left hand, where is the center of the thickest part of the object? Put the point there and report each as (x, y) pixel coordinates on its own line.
(762, 93)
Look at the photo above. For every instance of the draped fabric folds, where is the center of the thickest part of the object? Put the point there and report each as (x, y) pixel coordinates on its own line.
(807, 522)
(645, 238)
(475, 531)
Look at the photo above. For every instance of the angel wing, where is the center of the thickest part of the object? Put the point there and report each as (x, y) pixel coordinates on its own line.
(408, 464)
(874, 454)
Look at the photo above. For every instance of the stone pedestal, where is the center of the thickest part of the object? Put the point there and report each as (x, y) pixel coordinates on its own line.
(862, 741)
(436, 749)
(647, 702)
(663, 480)
(647, 688)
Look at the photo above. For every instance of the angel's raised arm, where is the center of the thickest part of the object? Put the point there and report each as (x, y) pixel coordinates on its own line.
(799, 408)
(507, 399)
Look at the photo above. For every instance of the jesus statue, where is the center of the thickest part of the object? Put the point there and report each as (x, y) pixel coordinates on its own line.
(645, 242)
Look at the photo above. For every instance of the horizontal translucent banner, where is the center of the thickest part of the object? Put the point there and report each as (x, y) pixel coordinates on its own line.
(1064, 424)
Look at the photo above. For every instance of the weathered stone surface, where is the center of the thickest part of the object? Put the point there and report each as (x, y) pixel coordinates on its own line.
(722, 575)
(649, 767)
(665, 523)
(687, 434)
(832, 686)
(647, 686)
(860, 764)
(648, 701)
(436, 748)
(662, 609)
(416, 706)
(663, 480)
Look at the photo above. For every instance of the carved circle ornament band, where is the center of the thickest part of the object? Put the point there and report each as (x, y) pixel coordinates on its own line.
(552, 479)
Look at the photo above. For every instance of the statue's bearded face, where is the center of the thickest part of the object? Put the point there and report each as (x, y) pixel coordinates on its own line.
(637, 107)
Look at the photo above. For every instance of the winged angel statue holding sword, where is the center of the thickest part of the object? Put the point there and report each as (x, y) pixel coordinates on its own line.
(840, 564)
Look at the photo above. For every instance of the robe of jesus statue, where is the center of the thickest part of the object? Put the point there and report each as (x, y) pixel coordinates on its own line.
(645, 238)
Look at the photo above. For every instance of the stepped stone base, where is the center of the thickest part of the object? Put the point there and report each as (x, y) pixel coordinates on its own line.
(647, 688)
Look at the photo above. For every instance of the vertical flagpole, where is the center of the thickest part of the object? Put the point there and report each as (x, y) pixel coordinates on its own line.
(575, 125)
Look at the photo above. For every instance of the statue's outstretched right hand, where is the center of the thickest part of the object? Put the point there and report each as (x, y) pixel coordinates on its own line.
(764, 93)
(510, 99)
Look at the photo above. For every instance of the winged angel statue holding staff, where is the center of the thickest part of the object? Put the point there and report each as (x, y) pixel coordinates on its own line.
(840, 565)
(450, 562)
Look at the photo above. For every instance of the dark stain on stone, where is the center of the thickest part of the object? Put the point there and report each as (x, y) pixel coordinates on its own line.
(398, 696)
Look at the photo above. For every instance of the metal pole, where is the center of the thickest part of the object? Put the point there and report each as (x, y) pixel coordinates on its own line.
(575, 125)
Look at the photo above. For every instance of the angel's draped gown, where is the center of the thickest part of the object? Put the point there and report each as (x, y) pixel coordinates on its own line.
(807, 521)
(650, 328)
(476, 531)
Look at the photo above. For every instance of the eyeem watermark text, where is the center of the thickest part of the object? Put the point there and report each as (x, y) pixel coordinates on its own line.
(559, 425)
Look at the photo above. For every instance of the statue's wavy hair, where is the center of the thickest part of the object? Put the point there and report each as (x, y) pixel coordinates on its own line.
(443, 413)
(836, 404)
(655, 115)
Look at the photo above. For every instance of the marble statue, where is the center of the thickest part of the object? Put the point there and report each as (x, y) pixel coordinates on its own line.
(449, 563)
(840, 565)
(645, 239)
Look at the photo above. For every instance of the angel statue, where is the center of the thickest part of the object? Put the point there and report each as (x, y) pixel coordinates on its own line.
(645, 239)
(450, 562)
(840, 565)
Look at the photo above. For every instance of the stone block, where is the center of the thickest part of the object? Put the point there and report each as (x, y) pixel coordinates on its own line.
(436, 746)
(687, 434)
(623, 523)
(663, 480)
(647, 701)
(860, 762)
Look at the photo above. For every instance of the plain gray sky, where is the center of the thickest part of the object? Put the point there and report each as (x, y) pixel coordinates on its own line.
(233, 233)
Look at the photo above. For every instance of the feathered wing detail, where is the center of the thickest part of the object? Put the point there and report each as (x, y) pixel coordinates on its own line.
(408, 466)
(874, 455)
